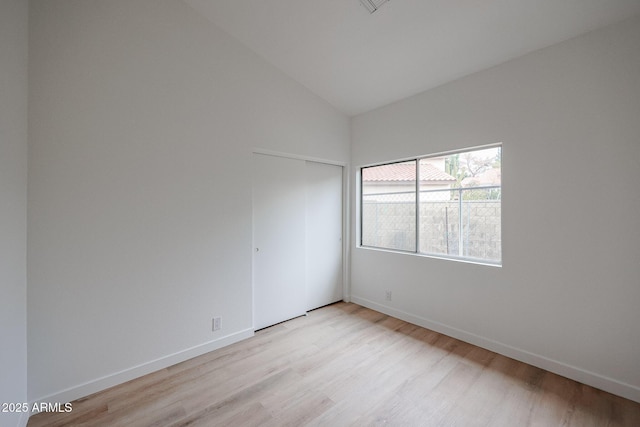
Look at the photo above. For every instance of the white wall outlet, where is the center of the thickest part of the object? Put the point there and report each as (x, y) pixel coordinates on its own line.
(387, 295)
(217, 323)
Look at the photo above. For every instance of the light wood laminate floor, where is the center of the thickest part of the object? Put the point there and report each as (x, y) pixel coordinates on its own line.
(347, 365)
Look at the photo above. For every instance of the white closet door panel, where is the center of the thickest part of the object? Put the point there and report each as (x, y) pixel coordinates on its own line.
(324, 234)
(279, 203)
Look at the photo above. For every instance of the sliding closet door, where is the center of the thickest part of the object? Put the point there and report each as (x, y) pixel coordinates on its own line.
(324, 234)
(279, 233)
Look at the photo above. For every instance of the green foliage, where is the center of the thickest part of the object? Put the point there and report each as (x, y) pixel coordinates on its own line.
(481, 194)
(497, 161)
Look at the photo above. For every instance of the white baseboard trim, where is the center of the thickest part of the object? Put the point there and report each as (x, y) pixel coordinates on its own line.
(99, 384)
(601, 382)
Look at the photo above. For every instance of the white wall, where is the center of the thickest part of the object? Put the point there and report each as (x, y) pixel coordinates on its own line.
(567, 295)
(13, 205)
(143, 117)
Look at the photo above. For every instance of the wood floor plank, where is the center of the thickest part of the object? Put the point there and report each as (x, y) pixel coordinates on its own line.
(345, 365)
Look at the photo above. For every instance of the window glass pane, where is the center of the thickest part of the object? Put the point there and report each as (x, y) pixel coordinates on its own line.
(460, 205)
(389, 206)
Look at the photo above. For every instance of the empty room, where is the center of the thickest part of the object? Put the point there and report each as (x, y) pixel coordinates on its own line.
(349, 212)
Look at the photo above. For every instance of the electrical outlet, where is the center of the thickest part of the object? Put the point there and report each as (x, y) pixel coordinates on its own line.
(217, 323)
(387, 295)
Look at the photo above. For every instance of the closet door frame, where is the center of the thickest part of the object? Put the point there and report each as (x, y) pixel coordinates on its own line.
(346, 286)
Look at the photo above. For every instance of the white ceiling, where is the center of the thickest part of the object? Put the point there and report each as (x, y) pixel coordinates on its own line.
(359, 61)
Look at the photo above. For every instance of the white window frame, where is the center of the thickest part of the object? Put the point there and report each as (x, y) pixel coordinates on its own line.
(416, 251)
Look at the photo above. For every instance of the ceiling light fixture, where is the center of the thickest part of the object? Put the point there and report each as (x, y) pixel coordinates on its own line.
(372, 5)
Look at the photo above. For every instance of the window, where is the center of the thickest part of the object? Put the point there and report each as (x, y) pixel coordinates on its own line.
(445, 205)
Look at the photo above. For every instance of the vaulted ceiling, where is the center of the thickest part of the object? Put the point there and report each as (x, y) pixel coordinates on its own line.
(359, 61)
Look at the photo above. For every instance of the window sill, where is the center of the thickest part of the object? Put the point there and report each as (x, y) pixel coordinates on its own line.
(434, 256)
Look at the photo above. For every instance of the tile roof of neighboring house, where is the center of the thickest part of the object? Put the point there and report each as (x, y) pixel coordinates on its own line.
(404, 172)
(488, 177)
